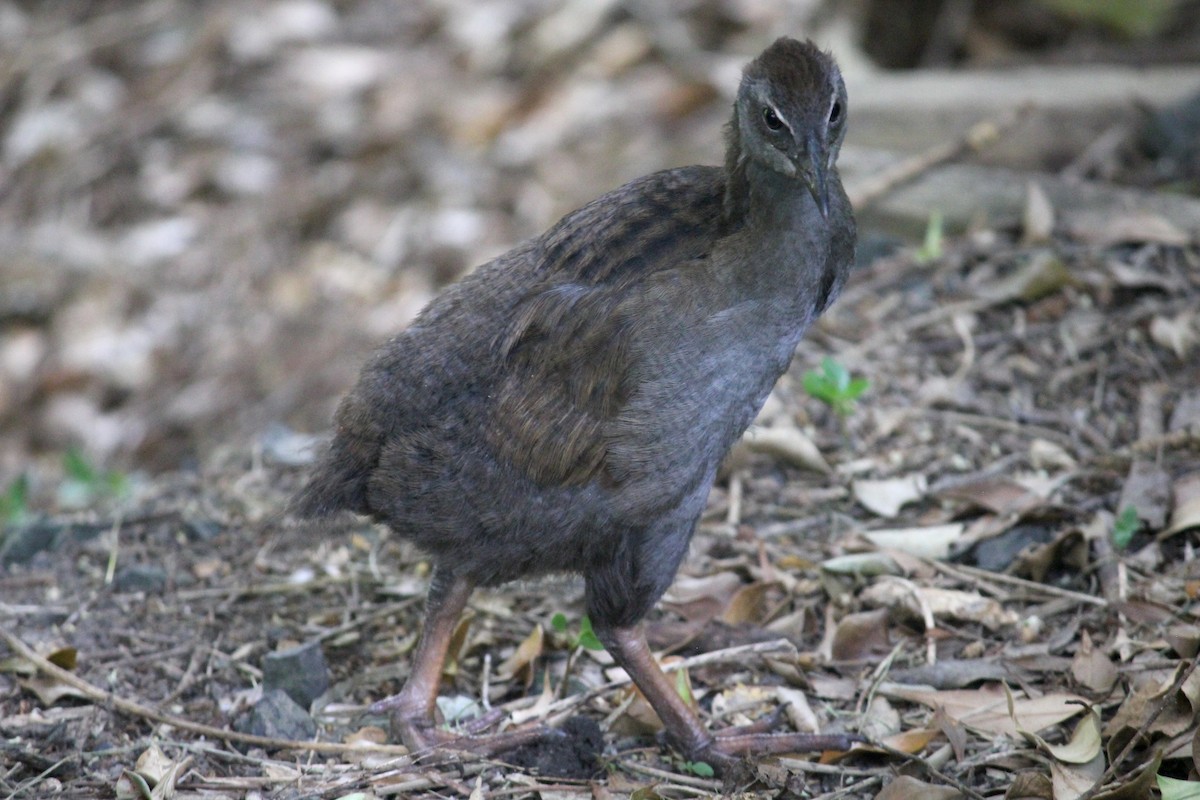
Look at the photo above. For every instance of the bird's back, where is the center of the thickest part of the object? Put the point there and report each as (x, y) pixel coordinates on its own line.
(431, 398)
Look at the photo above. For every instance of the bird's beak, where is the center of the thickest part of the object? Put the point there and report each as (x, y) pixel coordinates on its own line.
(815, 176)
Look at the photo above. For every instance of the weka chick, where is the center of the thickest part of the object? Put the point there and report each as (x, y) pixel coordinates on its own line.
(565, 407)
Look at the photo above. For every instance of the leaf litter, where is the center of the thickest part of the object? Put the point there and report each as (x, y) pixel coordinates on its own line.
(1026, 386)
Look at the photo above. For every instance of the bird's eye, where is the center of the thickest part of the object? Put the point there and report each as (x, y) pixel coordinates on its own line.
(835, 113)
(772, 119)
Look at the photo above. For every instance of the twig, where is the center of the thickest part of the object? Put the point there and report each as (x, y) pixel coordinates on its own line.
(964, 573)
(979, 136)
(673, 777)
(1167, 699)
(138, 710)
(739, 653)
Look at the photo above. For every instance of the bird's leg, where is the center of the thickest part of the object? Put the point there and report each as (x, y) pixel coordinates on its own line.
(412, 709)
(628, 647)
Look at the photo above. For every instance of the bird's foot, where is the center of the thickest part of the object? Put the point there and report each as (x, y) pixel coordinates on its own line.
(424, 737)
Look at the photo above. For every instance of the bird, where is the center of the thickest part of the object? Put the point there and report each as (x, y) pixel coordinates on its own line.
(565, 407)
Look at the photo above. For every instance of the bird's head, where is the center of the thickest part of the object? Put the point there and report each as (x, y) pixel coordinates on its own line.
(791, 113)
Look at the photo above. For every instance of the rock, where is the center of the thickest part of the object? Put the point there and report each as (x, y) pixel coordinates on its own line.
(300, 672)
(140, 578)
(276, 715)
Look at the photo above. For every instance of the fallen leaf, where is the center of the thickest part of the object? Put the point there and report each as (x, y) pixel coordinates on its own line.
(1030, 785)
(1044, 454)
(1037, 223)
(1044, 273)
(1092, 668)
(886, 497)
(799, 712)
(950, 604)
(1130, 227)
(904, 787)
(1072, 780)
(1147, 488)
(866, 564)
(997, 493)
(1186, 512)
(986, 709)
(861, 636)
(748, 606)
(787, 444)
(933, 541)
(1177, 333)
(1175, 789)
(522, 659)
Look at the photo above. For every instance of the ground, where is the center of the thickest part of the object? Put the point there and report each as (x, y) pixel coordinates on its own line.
(211, 212)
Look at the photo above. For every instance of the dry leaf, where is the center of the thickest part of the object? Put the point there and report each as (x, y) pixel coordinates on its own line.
(1030, 785)
(904, 787)
(861, 636)
(1072, 780)
(699, 600)
(941, 603)
(1044, 454)
(787, 444)
(886, 497)
(880, 720)
(1132, 227)
(999, 494)
(1092, 668)
(1147, 488)
(1186, 512)
(521, 661)
(986, 709)
(49, 691)
(799, 712)
(1038, 221)
(749, 605)
(1177, 334)
(1043, 274)
(933, 541)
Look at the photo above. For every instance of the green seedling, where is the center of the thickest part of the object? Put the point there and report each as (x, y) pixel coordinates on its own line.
(85, 483)
(14, 503)
(834, 386)
(1125, 526)
(586, 638)
(701, 769)
(931, 248)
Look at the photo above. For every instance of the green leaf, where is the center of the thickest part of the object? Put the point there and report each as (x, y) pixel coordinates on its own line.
(590, 641)
(14, 503)
(700, 769)
(559, 622)
(78, 468)
(931, 248)
(856, 388)
(683, 687)
(1175, 789)
(1125, 526)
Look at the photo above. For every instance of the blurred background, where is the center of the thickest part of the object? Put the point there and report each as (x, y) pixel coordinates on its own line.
(210, 212)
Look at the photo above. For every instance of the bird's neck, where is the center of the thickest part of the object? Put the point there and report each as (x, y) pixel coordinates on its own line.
(755, 196)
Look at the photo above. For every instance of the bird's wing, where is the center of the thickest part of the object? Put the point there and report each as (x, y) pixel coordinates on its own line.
(571, 348)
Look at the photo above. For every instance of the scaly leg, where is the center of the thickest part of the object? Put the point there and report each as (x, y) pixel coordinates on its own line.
(412, 710)
(629, 649)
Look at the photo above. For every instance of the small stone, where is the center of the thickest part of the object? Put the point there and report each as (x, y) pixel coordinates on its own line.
(140, 578)
(277, 716)
(21, 543)
(299, 671)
